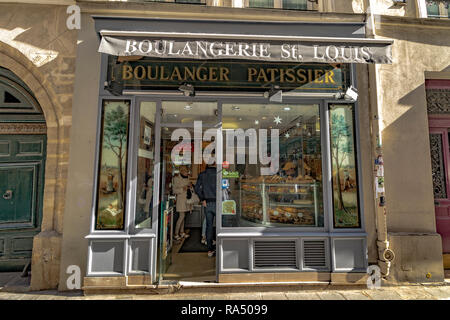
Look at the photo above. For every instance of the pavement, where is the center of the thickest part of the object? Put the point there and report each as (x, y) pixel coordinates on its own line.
(15, 287)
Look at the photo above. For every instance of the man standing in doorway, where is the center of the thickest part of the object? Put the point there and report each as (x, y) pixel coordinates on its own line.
(205, 188)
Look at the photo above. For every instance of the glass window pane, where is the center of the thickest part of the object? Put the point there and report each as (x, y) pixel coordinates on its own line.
(260, 3)
(145, 165)
(295, 4)
(111, 188)
(181, 112)
(344, 169)
(274, 160)
(438, 8)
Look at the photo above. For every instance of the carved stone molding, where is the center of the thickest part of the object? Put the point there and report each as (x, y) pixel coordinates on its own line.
(23, 128)
(438, 101)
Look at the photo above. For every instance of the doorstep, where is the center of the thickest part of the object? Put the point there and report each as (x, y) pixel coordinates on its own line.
(142, 284)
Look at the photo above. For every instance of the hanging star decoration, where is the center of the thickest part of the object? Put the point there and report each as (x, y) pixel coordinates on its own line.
(287, 135)
(277, 120)
(298, 124)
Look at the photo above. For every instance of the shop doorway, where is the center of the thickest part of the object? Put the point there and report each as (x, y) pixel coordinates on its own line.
(183, 251)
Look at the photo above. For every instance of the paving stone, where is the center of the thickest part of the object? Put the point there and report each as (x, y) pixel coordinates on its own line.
(354, 295)
(330, 295)
(383, 294)
(440, 293)
(273, 296)
(414, 294)
(302, 295)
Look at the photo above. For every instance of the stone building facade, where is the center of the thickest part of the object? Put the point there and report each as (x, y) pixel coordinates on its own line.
(63, 69)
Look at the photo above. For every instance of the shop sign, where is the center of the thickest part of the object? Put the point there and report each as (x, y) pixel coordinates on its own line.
(149, 74)
(230, 174)
(309, 50)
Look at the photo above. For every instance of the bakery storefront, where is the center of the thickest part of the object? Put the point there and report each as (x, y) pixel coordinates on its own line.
(274, 105)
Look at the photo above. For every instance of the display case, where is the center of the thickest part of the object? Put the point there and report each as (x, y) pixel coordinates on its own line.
(281, 204)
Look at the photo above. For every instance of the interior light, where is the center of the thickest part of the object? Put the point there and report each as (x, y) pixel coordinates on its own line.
(287, 108)
(187, 107)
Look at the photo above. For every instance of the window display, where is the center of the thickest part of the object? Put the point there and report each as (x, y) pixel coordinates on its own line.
(285, 191)
(111, 187)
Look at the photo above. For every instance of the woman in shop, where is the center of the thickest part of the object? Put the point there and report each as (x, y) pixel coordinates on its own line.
(181, 187)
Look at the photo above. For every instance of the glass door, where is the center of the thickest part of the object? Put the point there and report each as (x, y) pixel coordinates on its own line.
(187, 136)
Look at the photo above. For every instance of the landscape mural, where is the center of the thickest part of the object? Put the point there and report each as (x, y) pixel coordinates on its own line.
(113, 163)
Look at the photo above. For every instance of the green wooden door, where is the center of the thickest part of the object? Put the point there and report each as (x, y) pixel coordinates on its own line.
(22, 162)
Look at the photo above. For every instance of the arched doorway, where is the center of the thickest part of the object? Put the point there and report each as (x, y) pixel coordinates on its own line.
(23, 144)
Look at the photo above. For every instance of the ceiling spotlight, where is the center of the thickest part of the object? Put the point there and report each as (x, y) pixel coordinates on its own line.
(236, 108)
(187, 89)
(287, 108)
(187, 107)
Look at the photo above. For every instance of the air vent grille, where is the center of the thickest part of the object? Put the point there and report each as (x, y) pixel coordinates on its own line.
(275, 254)
(314, 254)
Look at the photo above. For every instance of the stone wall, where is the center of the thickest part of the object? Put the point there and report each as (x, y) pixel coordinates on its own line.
(36, 45)
(419, 47)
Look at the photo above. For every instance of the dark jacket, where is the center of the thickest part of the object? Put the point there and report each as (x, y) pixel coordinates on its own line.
(205, 187)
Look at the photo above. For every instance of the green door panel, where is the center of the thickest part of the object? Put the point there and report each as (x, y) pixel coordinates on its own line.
(22, 163)
(18, 184)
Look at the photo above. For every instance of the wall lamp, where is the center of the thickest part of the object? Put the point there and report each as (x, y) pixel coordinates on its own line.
(187, 89)
(351, 94)
(275, 94)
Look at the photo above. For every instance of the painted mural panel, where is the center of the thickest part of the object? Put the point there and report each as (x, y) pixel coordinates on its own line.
(344, 170)
(111, 189)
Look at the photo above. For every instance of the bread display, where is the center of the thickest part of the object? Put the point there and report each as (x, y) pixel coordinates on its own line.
(288, 200)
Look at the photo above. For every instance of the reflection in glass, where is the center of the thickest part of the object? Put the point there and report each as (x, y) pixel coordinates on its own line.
(344, 171)
(111, 186)
(180, 112)
(291, 196)
(145, 164)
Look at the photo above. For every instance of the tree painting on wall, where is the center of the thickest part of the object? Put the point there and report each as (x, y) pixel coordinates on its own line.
(113, 163)
(344, 173)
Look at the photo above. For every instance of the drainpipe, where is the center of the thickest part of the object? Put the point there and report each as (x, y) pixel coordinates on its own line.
(385, 254)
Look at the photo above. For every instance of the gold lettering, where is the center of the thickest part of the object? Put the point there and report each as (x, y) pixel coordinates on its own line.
(191, 74)
(201, 75)
(301, 73)
(329, 76)
(136, 72)
(149, 73)
(175, 73)
(310, 75)
(127, 72)
(317, 74)
(290, 75)
(282, 73)
(262, 76)
(163, 77)
(212, 74)
(224, 74)
(251, 72)
(272, 73)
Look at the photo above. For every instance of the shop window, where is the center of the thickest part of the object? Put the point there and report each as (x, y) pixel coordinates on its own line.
(145, 166)
(295, 4)
(273, 166)
(344, 169)
(111, 187)
(438, 9)
(261, 3)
